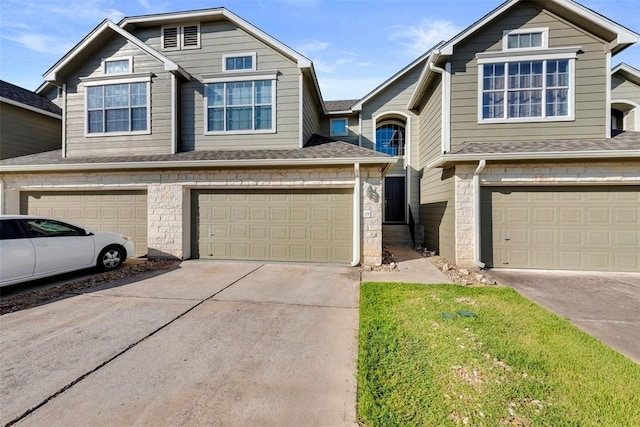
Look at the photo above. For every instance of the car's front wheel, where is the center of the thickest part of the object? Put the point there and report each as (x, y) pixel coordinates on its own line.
(111, 258)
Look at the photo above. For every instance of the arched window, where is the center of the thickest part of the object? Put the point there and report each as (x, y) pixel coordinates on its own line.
(390, 137)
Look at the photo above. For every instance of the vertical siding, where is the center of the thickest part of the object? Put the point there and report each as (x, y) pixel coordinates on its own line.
(437, 212)
(26, 132)
(590, 77)
(218, 39)
(311, 114)
(158, 142)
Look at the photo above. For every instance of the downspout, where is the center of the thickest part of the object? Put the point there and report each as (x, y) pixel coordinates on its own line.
(360, 129)
(1, 196)
(476, 213)
(64, 120)
(174, 115)
(356, 216)
(443, 118)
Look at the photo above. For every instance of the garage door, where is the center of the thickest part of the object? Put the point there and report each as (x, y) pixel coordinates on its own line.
(278, 225)
(116, 211)
(576, 228)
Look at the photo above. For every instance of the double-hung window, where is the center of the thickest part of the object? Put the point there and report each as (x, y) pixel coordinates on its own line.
(241, 106)
(118, 108)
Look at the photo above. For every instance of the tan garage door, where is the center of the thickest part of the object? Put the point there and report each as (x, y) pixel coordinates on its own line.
(116, 211)
(573, 228)
(273, 225)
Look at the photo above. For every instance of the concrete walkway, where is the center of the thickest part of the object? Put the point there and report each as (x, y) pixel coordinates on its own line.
(412, 268)
(209, 343)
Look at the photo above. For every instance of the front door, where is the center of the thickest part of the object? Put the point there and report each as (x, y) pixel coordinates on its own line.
(394, 199)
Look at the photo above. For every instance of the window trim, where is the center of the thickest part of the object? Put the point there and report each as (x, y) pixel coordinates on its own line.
(253, 56)
(106, 82)
(117, 59)
(506, 60)
(249, 77)
(544, 31)
(346, 126)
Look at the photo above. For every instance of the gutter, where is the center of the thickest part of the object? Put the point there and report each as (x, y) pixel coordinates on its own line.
(547, 155)
(185, 164)
(356, 216)
(476, 213)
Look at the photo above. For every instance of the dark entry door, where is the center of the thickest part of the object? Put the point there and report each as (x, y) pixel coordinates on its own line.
(394, 199)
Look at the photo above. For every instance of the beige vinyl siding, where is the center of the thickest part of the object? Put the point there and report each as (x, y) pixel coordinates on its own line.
(437, 212)
(157, 142)
(311, 114)
(27, 132)
(354, 128)
(624, 90)
(590, 79)
(218, 39)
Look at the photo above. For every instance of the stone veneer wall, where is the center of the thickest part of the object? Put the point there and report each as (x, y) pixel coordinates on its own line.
(168, 192)
(529, 174)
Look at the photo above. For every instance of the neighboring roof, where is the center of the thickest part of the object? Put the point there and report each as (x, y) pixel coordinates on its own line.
(99, 35)
(622, 145)
(24, 98)
(627, 72)
(343, 105)
(318, 152)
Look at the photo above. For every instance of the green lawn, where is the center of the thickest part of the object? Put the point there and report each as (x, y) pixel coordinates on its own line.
(421, 363)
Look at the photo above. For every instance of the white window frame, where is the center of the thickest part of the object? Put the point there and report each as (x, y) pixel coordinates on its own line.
(346, 126)
(543, 31)
(105, 61)
(569, 54)
(106, 82)
(250, 77)
(239, 55)
(180, 35)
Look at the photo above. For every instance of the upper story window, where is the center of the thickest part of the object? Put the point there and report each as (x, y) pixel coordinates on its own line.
(117, 109)
(239, 62)
(390, 138)
(339, 127)
(181, 37)
(526, 90)
(118, 65)
(523, 39)
(240, 106)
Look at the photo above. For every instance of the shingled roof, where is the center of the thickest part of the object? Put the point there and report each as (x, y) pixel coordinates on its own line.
(27, 97)
(320, 149)
(341, 105)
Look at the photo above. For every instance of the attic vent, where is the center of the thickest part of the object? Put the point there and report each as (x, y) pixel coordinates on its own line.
(190, 36)
(170, 38)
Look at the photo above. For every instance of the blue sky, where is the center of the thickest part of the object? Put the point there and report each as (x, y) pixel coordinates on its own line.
(355, 44)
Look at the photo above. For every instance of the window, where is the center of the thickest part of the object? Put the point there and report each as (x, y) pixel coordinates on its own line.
(181, 37)
(526, 89)
(528, 38)
(339, 127)
(50, 228)
(118, 65)
(390, 138)
(240, 106)
(239, 62)
(118, 108)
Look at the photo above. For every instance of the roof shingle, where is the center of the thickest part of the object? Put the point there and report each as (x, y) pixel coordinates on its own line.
(24, 96)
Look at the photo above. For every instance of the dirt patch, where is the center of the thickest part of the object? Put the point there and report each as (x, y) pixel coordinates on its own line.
(461, 276)
(29, 298)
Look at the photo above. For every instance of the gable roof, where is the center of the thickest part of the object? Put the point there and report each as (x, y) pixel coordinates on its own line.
(627, 72)
(27, 99)
(99, 35)
(339, 106)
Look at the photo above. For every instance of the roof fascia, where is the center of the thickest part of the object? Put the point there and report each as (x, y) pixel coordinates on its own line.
(358, 105)
(169, 65)
(627, 69)
(423, 81)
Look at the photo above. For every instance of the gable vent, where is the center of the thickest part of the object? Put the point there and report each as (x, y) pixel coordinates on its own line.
(190, 36)
(170, 38)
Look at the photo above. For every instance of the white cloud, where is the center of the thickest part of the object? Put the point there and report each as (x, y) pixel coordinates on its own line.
(420, 38)
(42, 43)
(348, 87)
(313, 46)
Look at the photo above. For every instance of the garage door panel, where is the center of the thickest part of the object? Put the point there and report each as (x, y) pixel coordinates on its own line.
(123, 212)
(595, 228)
(283, 225)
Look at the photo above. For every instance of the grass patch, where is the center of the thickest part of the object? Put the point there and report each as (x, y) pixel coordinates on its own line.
(513, 364)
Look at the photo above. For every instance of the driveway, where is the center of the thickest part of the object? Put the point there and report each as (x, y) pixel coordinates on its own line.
(605, 305)
(209, 343)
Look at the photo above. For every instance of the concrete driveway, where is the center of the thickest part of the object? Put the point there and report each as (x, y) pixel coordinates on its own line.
(209, 343)
(605, 305)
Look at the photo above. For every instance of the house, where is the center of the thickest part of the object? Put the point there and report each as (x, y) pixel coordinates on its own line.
(205, 137)
(625, 98)
(197, 134)
(30, 123)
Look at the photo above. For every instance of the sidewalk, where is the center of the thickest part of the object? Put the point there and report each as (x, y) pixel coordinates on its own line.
(412, 268)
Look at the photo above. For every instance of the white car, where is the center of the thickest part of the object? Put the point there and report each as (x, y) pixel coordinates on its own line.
(32, 247)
